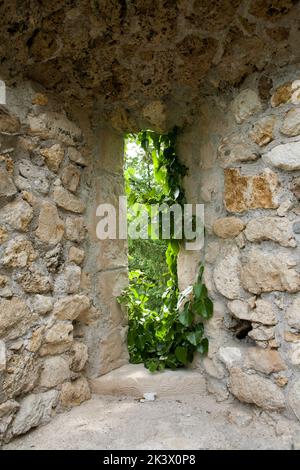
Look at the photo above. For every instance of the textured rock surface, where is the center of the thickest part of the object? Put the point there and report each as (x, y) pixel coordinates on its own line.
(285, 156)
(251, 388)
(228, 227)
(55, 371)
(291, 123)
(293, 313)
(277, 229)
(227, 274)
(245, 104)
(265, 272)
(71, 307)
(51, 227)
(74, 393)
(249, 192)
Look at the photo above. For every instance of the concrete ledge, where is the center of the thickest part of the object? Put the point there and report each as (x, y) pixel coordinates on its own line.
(134, 380)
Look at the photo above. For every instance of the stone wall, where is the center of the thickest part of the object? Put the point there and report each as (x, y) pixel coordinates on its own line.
(57, 283)
(244, 159)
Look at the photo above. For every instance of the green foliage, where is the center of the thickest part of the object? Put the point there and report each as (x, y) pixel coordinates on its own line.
(159, 335)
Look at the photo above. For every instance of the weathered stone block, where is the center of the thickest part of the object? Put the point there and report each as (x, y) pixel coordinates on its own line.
(235, 149)
(17, 215)
(53, 156)
(50, 226)
(251, 388)
(9, 123)
(242, 193)
(74, 393)
(284, 156)
(15, 318)
(67, 200)
(263, 313)
(7, 187)
(226, 274)
(278, 229)
(55, 371)
(293, 313)
(291, 123)
(267, 272)
(53, 125)
(228, 227)
(76, 255)
(76, 156)
(263, 131)
(68, 281)
(35, 280)
(245, 104)
(75, 229)
(69, 308)
(35, 177)
(70, 177)
(34, 410)
(18, 253)
(79, 356)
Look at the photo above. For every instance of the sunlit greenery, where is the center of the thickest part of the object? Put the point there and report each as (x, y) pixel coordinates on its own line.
(159, 335)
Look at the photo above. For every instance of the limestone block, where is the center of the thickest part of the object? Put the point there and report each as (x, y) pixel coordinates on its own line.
(18, 253)
(287, 93)
(155, 113)
(228, 227)
(251, 388)
(36, 340)
(79, 356)
(110, 285)
(242, 193)
(293, 313)
(75, 229)
(76, 157)
(266, 361)
(35, 280)
(70, 177)
(53, 156)
(235, 149)
(9, 124)
(68, 281)
(59, 333)
(76, 255)
(74, 393)
(7, 411)
(278, 229)
(267, 272)
(230, 356)
(284, 156)
(245, 104)
(263, 313)
(291, 123)
(294, 354)
(17, 215)
(36, 177)
(7, 187)
(50, 226)
(226, 274)
(263, 130)
(15, 318)
(66, 200)
(261, 332)
(70, 307)
(55, 371)
(41, 304)
(56, 126)
(3, 235)
(35, 409)
(22, 374)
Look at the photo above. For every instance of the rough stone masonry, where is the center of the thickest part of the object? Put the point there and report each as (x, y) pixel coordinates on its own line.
(78, 75)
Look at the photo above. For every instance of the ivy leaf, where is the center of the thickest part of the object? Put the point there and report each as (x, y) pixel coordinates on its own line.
(181, 354)
(194, 337)
(197, 290)
(186, 317)
(207, 308)
(202, 348)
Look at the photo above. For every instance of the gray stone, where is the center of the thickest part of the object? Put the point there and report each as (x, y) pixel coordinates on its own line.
(35, 409)
(69, 308)
(291, 123)
(7, 187)
(79, 356)
(17, 215)
(267, 272)
(68, 282)
(296, 227)
(41, 304)
(76, 156)
(70, 177)
(245, 104)
(277, 229)
(261, 332)
(251, 388)
(55, 371)
(35, 280)
(293, 313)
(262, 313)
(75, 229)
(56, 126)
(67, 200)
(284, 156)
(36, 176)
(226, 274)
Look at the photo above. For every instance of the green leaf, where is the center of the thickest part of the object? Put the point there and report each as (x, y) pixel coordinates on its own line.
(202, 348)
(186, 317)
(181, 354)
(194, 337)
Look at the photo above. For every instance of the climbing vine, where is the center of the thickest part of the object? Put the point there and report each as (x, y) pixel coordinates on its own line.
(167, 336)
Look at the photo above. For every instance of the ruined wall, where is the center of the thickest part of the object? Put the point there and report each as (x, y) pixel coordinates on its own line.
(56, 280)
(244, 160)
